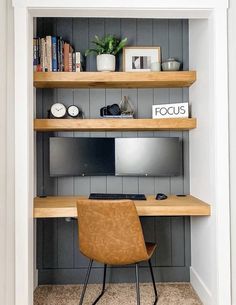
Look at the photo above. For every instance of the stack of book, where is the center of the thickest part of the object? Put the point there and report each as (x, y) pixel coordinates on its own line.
(53, 54)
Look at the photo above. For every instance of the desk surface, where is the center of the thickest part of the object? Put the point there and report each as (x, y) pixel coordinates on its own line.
(65, 206)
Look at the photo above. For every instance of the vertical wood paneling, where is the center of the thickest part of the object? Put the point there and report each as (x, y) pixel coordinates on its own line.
(163, 240)
(81, 99)
(114, 184)
(148, 226)
(113, 26)
(80, 34)
(66, 97)
(176, 95)
(96, 27)
(58, 239)
(50, 241)
(65, 243)
(177, 241)
(145, 101)
(187, 239)
(82, 186)
(144, 32)
(40, 242)
(113, 96)
(39, 145)
(129, 30)
(185, 37)
(80, 261)
(130, 185)
(147, 185)
(50, 184)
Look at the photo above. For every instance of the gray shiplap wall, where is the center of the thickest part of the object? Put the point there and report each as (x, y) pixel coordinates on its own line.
(58, 258)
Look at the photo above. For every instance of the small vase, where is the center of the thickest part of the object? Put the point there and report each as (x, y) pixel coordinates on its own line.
(106, 63)
(126, 107)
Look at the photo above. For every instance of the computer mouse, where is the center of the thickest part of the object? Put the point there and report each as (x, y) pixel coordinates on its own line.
(161, 196)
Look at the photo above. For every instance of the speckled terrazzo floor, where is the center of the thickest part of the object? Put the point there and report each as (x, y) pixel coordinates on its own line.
(117, 294)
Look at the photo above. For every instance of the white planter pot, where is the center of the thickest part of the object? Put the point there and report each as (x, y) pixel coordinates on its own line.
(106, 63)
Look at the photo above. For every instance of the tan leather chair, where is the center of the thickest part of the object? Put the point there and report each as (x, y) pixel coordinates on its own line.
(110, 232)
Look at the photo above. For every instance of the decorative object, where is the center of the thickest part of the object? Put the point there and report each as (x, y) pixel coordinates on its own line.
(139, 59)
(106, 49)
(73, 111)
(126, 107)
(179, 110)
(171, 64)
(110, 110)
(58, 110)
(106, 63)
(155, 66)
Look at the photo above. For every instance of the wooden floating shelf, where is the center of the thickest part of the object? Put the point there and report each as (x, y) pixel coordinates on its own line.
(114, 124)
(65, 206)
(114, 79)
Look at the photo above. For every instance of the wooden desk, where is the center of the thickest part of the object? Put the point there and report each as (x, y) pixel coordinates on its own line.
(65, 206)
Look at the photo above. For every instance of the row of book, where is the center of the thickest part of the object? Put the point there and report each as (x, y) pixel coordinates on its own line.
(53, 54)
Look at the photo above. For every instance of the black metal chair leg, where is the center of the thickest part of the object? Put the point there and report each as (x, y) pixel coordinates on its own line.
(86, 282)
(103, 285)
(137, 284)
(153, 282)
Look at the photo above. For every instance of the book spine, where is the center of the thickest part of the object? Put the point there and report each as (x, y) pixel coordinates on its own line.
(59, 54)
(43, 54)
(77, 62)
(35, 55)
(66, 56)
(71, 59)
(62, 55)
(49, 53)
(54, 54)
(70, 62)
(38, 69)
(73, 62)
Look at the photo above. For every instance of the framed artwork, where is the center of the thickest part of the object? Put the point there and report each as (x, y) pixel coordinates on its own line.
(139, 59)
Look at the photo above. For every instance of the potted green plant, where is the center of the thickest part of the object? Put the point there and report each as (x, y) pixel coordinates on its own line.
(106, 49)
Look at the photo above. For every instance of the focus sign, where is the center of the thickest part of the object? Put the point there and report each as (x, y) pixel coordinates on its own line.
(179, 110)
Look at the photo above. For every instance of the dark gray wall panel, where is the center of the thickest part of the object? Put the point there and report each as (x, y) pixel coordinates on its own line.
(50, 242)
(58, 258)
(96, 27)
(80, 34)
(177, 241)
(65, 245)
(114, 275)
(164, 242)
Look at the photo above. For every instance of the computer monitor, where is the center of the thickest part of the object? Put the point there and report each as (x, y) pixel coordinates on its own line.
(147, 156)
(115, 156)
(81, 156)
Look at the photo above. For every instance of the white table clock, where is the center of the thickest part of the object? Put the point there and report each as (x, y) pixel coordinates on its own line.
(73, 111)
(58, 110)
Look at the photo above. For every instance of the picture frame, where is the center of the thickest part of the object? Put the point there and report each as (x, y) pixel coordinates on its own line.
(139, 58)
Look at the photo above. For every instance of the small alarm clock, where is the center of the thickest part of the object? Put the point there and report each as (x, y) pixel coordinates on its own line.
(58, 110)
(73, 111)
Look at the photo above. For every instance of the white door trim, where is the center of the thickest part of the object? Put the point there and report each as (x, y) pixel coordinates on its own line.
(24, 177)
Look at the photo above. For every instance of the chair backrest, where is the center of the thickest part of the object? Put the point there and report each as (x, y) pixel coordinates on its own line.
(110, 232)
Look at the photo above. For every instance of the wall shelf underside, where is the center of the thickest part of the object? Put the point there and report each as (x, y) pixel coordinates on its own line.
(46, 125)
(175, 79)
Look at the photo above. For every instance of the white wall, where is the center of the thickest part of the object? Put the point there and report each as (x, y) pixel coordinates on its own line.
(201, 162)
(209, 181)
(232, 125)
(6, 155)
